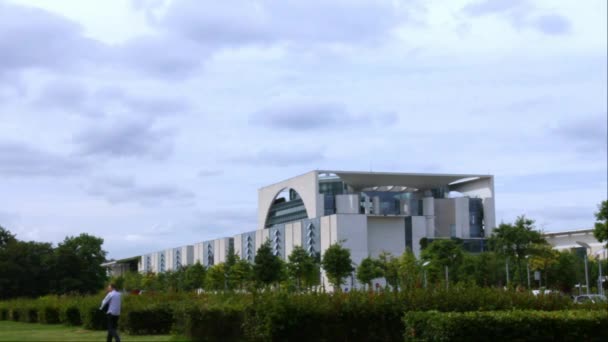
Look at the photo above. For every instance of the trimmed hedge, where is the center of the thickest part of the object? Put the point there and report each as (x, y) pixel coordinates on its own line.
(157, 319)
(518, 325)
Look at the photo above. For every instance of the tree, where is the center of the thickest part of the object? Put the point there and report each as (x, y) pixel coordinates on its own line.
(79, 262)
(26, 269)
(443, 253)
(516, 240)
(194, 277)
(6, 237)
(301, 265)
(543, 258)
(390, 269)
(368, 270)
(337, 265)
(408, 270)
(241, 273)
(601, 226)
(216, 277)
(267, 267)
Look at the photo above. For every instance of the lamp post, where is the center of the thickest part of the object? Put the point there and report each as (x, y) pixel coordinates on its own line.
(424, 265)
(528, 269)
(600, 283)
(586, 245)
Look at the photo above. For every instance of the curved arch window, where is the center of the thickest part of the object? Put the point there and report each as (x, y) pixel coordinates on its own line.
(286, 207)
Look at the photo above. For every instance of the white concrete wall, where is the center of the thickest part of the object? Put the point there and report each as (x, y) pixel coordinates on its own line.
(385, 234)
(428, 210)
(306, 185)
(418, 232)
(238, 245)
(482, 188)
(568, 240)
(198, 253)
(351, 231)
(187, 257)
(462, 218)
(347, 204)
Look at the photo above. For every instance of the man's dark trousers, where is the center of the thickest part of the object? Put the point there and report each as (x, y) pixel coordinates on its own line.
(113, 328)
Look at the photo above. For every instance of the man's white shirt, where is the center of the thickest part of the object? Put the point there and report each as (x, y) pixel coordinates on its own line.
(114, 298)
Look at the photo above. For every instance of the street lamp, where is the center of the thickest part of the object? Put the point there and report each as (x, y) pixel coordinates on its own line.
(600, 282)
(528, 269)
(424, 265)
(586, 245)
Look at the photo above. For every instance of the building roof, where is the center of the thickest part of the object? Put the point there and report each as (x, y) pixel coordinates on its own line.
(360, 180)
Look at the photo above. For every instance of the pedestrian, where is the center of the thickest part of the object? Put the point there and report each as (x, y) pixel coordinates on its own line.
(111, 306)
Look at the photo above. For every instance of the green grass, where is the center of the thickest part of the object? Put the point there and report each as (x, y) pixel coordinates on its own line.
(16, 331)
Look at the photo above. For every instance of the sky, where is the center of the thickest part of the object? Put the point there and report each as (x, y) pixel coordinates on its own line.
(152, 123)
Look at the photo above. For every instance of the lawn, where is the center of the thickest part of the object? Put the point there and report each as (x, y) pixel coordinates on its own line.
(15, 331)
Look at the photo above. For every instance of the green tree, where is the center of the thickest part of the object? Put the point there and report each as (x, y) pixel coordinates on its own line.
(443, 253)
(368, 270)
(408, 270)
(216, 277)
(194, 277)
(26, 269)
(241, 274)
(337, 265)
(542, 259)
(516, 241)
(390, 269)
(79, 262)
(6, 237)
(601, 226)
(267, 267)
(301, 265)
(133, 281)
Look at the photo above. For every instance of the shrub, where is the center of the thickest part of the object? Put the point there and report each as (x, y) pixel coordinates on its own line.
(148, 321)
(215, 323)
(506, 325)
(92, 318)
(4, 313)
(70, 315)
(49, 314)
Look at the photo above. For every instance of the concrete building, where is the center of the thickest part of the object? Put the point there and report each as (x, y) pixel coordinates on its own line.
(569, 240)
(368, 212)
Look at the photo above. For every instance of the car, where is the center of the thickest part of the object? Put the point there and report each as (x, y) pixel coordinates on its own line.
(591, 298)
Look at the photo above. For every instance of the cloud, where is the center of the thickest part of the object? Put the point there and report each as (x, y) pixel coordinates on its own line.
(521, 14)
(125, 138)
(74, 97)
(21, 160)
(210, 173)
(125, 189)
(34, 38)
(588, 134)
(307, 116)
(280, 157)
(552, 24)
(246, 22)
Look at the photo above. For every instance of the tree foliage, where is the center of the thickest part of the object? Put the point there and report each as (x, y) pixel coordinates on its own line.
(35, 269)
(368, 270)
(300, 266)
(267, 267)
(601, 225)
(337, 264)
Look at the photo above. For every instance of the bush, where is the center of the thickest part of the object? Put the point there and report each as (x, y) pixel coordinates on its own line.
(4, 314)
(506, 325)
(148, 321)
(70, 315)
(92, 318)
(210, 323)
(49, 314)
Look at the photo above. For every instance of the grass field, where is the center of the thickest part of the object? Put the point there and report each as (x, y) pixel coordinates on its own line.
(15, 331)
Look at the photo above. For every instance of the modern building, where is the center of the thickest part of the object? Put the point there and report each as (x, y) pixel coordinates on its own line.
(577, 240)
(368, 212)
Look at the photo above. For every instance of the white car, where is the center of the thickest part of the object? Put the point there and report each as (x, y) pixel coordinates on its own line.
(592, 298)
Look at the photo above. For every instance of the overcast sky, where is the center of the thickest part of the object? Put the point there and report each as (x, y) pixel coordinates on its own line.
(152, 123)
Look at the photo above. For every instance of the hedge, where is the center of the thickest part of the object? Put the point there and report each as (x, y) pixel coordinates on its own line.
(279, 316)
(517, 325)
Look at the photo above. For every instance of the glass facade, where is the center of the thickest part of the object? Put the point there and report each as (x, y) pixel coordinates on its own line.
(476, 217)
(284, 211)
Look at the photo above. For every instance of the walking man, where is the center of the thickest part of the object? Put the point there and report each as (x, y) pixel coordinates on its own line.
(111, 305)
